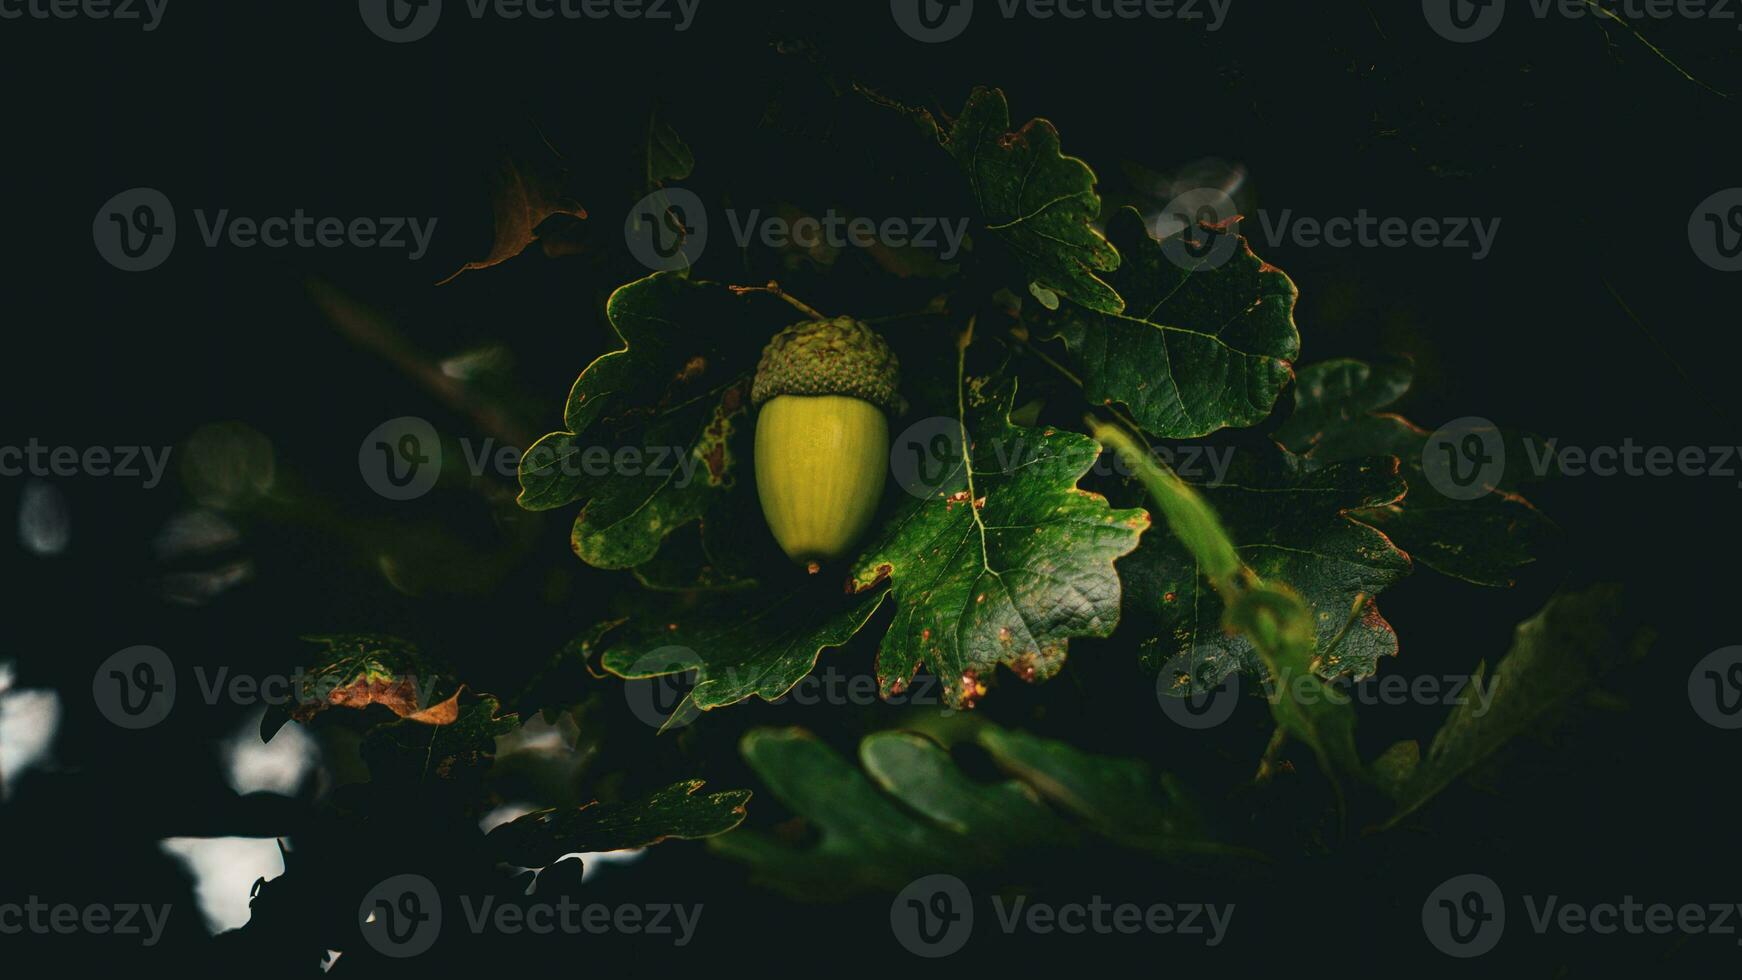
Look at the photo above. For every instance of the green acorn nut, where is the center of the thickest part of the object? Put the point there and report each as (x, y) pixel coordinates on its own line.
(825, 389)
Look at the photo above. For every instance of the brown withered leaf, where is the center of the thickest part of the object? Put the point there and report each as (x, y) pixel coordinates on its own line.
(526, 189)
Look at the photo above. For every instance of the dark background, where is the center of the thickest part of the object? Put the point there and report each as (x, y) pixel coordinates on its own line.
(1591, 149)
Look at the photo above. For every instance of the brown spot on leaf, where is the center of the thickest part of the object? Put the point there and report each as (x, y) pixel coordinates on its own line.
(692, 369)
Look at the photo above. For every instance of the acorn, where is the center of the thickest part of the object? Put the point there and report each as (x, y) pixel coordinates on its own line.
(825, 390)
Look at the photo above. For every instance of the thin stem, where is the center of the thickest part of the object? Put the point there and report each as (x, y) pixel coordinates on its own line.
(773, 289)
(962, 342)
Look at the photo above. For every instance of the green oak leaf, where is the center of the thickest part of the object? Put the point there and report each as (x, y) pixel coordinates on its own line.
(912, 811)
(540, 838)
(1291, 523)
(1196, 349)
(1039, 202)
(741, 647)
(1006, 570)
(666, 156)
(1338, 416)
(1121, 799)
(653, 429)
(867, 840)
(1281, 626)
(1556, 657)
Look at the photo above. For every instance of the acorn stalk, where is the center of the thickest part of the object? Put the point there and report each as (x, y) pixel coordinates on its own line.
(825, 390)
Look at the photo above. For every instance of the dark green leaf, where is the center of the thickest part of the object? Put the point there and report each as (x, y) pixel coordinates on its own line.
(1005, 570)
(1039, 202)
(539, 839)
(407, 752)
(741, 644)
(1555, 658)
(931, 817)
(650, 441)
(1337, 417)
(668, 157)
(1197, 348)
(1279, 624)
(1291, 524)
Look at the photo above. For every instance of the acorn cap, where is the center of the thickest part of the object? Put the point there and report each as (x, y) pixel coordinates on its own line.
(829, 357)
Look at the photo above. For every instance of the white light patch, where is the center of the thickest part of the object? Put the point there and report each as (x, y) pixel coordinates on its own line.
(45, 526)
(278, 766)
(29, 720)
(225, 870)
